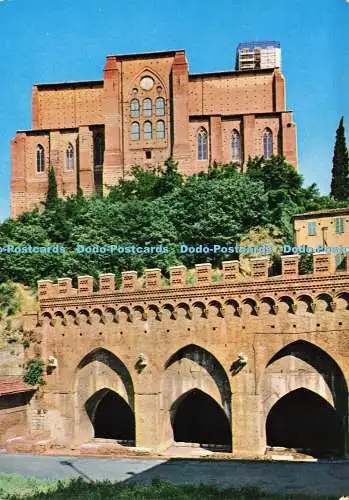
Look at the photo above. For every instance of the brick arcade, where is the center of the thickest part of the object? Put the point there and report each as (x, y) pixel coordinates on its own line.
(240, 364)
(147, 108)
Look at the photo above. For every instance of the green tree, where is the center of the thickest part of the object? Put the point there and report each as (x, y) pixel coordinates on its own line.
(340, 168)
(52, 194)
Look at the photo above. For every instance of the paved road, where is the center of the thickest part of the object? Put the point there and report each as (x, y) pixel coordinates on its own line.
(316, 478)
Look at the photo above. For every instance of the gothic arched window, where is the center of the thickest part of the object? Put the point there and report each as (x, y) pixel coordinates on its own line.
(235, 146)
(147, 130)
(202, 144)
(268, 143)
(69, 157)
(147, 107)
(40, 158)
(160, 129)
(134, 108)
(160, 106)
(135, 131)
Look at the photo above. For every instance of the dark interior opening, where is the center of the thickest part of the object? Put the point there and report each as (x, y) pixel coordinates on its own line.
(305, 421)
(114, 419)
(197, 418)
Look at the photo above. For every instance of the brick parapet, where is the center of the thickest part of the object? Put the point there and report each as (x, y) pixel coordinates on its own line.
(291, 284)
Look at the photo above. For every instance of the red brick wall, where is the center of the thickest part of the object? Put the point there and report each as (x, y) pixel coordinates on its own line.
(132, 72)
(231, 94)
(61, 107)
(13, 416)
(246, 101)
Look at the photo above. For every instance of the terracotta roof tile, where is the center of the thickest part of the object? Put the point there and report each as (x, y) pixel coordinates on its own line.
(11, 385)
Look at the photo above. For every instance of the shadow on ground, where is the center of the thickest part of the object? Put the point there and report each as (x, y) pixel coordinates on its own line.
(182, 478)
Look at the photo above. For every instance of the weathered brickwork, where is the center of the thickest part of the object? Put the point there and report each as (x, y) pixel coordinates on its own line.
(248, 102)
(245, 345)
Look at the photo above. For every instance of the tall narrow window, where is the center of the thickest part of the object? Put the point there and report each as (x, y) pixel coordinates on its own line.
(312, 228)
(98, 149)
(147, 107)
(339, 225)
(69, 157)
(147, 131)
(160, 106)
(160, 129)
(135, 131)
(40, 158)
(202, 144)
(135, 108)
(268, 143)
(235, 146)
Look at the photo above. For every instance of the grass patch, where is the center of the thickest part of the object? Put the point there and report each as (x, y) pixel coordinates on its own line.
(13, 487)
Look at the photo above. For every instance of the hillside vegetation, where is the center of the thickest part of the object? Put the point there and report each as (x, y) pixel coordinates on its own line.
(159, 207)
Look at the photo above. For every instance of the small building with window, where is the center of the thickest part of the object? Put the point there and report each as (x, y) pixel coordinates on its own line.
(324, 228)
(147, 108)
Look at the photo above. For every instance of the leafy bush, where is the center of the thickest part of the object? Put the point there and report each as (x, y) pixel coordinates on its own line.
(34, 372)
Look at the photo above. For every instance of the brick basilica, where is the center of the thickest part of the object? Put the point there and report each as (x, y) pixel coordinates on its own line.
(147, 108)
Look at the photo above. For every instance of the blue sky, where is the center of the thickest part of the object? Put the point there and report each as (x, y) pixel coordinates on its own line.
(66, 40)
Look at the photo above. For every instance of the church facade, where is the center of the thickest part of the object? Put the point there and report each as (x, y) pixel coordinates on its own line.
(147, 108)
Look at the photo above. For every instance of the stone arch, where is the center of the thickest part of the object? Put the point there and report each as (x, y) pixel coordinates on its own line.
(97, 313)
(151, 72)
(305, 304)
(46, 317)
(58, 318)
(84, 316)
(303, 365)
(324, 302)
(110, 315)
(286, 304)
(249, 307)
(97, 370)
(139, 313)
(124, 314)
(232, 307)
(268, 305)
(199, 310)
(169, 311)
(183, 310)
(70, 317)
(154, 312)
(193, 367)
(111, 416)
(215, 308)
(342, 301)
(196, 417)
(303, 420)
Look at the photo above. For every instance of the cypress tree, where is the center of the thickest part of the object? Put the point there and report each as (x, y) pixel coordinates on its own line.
(52, 194)
(340, 169)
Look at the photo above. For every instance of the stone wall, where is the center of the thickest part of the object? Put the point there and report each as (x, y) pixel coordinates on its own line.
(244, 343)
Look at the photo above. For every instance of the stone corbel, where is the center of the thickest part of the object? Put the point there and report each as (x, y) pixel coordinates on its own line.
(293, 308)
(222, 311)
(239, 311)
(332, 306)
(275, 308)
(238, 364)
(141, 363)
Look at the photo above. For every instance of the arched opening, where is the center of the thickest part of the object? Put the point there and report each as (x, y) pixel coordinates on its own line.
(111, 417)
(305, 421)
(198, 418)
(98, 373)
